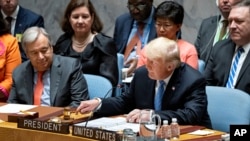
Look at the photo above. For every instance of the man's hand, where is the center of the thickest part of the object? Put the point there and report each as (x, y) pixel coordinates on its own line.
(134, 116)
(88, 106)
(132, 65)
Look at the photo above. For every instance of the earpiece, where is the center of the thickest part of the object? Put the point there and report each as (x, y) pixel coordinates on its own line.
(217, 2)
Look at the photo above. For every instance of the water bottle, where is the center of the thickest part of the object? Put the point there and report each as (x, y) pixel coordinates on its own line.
(225, 137)
(128, 135)
(166, 131)
(175, 130)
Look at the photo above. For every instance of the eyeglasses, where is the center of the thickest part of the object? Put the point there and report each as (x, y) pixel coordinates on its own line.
(139, 7)
(163, 25)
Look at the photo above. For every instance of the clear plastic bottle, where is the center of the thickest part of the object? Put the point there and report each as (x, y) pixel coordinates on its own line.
(225, 137)
(175, 130)
(166, 131)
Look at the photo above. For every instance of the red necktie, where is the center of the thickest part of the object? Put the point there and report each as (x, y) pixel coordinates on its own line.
(38, 90)
(135, 41)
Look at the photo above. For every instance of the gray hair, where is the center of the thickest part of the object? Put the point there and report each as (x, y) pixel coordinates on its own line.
(163, 48)
(31, 34)
(243, 3)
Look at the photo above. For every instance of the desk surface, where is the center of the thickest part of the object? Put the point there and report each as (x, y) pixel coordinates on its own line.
(10, 132)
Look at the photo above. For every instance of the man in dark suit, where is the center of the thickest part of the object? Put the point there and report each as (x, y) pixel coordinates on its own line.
(226, 66)
(20, 19)
(126, 26)
(210, 29)
(184, 96)
(62, 78)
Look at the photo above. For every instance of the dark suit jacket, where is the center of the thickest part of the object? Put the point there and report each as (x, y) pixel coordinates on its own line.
(205, 37)
(123, 27)
(99, 57)
(67, 84)
(26, 19)
(185, 97)
(219, 65)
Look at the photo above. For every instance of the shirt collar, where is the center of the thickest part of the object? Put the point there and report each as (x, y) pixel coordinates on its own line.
(13, 15)
(246, 47)
(166, 80)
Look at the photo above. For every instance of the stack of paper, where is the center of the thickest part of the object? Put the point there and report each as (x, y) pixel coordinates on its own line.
(112, 124)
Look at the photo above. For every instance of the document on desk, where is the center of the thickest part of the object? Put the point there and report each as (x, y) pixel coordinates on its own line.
(201, 132)
(111, 124)
(15, 108)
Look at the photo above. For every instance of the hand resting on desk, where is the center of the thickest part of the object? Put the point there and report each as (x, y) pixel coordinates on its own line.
(88, 106)
(134, 115)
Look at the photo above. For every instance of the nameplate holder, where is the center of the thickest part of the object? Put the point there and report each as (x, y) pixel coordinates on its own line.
(31, 124)
(95, 133)
(27, 115)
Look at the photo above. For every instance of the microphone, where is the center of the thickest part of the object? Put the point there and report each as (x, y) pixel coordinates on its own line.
(98, 106)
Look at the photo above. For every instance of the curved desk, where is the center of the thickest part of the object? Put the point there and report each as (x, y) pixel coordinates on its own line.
(10, 132)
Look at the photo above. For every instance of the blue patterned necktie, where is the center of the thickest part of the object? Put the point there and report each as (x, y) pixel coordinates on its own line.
(159, 95)
(233, 68)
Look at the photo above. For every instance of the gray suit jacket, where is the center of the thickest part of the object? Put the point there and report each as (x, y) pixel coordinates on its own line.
(67, 84)
(205, 37)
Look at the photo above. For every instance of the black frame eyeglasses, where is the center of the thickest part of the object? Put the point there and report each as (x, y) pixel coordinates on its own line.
(139, 7)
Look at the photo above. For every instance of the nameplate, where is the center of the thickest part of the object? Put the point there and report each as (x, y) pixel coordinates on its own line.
(95, 133)
(43, 126)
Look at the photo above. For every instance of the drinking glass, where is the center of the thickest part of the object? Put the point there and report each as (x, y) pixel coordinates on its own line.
(148, 125)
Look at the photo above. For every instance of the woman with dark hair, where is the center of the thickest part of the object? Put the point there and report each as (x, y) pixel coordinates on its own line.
(10, 58)
(82, 39)
(168, 21)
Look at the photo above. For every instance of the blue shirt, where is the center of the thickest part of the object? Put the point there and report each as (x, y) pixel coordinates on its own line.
(144, 37)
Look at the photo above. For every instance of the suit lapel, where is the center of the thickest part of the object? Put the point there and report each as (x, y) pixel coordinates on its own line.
(20, 17)
(151, 91)
(172, 86)
(28, 83)
(152, 32)
(213, 29)
(243, 68)
(55, 77)
(128, 27)
(229, 49)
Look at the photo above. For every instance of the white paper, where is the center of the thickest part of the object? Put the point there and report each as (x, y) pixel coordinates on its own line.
(111, 124)
(201, 132)
(128, 79)
(15, 108)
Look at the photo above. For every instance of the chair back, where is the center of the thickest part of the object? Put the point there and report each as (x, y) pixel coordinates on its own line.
(98, 86)
(120, 62)
(201, 66)
(227, 107)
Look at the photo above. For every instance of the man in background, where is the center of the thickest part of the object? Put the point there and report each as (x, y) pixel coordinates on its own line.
(138, 23)
(19, 20)
(213, 29)
(229, 63)
(46, 79)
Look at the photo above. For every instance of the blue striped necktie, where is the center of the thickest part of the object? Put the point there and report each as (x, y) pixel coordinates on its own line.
(233, 68)
(159, 95)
